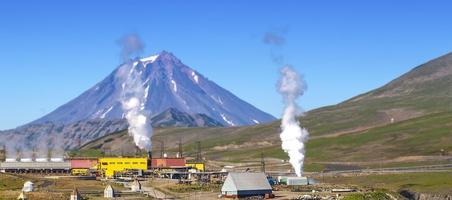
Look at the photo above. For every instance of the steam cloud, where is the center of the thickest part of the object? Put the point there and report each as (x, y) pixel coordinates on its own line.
(47, 145)
(293, 137)
(276, 40)
(291, 86)
(132, 97)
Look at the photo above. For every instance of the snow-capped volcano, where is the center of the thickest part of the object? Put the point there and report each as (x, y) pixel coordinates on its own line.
(168, 84)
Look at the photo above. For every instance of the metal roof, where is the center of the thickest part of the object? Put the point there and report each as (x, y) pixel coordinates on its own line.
(246, 181)
(35, 165)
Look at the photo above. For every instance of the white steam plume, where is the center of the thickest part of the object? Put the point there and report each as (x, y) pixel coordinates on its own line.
(293, 136)
(132, 97)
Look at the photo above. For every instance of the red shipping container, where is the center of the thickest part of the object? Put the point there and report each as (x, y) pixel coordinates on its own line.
(83, 163)
(168, 162)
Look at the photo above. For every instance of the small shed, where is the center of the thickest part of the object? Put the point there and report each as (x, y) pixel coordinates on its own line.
(239, 185)
(109, 192)
(28, 187)
(136, 186)
(75, 195)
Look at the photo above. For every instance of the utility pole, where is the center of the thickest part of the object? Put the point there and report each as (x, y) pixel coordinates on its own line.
(180, 148)
(162, 148)
(262, 162)
(198, 152)
(79, 141)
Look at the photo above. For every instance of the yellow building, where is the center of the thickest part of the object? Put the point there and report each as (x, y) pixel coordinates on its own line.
(196, 165)
(109, 166)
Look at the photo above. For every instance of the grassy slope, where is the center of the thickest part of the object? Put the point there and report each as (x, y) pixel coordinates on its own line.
(424, 90)
(423, 136)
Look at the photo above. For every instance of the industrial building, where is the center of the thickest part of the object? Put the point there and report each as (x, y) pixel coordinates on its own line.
(46, 167)
(110, 166)
(241, 185)
(82, 166)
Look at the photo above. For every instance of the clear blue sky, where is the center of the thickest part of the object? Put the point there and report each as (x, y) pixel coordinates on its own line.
(53, 51)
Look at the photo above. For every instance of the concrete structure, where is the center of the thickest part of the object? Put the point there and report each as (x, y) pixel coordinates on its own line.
(109, 192)
(240, 185)
(109, 166)
(136, 186)
(36, 167)
(75, 195)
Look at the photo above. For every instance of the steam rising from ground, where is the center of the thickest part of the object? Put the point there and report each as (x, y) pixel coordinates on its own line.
(47, 146)
(132, 98)
(291, 86)
(293, 137)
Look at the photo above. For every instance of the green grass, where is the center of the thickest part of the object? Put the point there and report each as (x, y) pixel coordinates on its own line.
(8, 182)
(367, 196)
(87, 153)
(432, 182)
(184, 188)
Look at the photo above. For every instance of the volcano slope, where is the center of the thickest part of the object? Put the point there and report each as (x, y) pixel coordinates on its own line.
(406, 122)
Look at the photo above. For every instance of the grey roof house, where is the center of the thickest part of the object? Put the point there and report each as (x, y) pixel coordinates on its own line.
(238, 185)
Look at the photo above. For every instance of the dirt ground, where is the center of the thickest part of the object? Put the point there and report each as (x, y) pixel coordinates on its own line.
(55, 188)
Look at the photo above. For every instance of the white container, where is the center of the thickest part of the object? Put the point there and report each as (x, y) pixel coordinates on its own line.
(56, 160)
(297, 181)
(42, 160)
(26, 160)
(10, 160)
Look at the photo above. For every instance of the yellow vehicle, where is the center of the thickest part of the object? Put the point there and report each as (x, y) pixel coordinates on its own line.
(200, 166)
(109, 166)
(80, 172)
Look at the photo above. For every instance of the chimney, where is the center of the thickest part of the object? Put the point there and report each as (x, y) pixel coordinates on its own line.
(150, 155)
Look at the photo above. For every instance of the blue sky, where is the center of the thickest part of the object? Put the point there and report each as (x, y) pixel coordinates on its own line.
(51, 51)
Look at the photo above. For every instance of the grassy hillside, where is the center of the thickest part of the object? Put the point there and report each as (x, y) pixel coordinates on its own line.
(424, 90)
(416, 141)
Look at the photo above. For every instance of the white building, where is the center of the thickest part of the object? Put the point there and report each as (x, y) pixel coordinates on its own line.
(28, 187)
(239, 185)
(136, 186)
(75, 195)
(109, 192)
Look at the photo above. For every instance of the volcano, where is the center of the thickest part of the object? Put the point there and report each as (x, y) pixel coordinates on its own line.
(169, 84)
